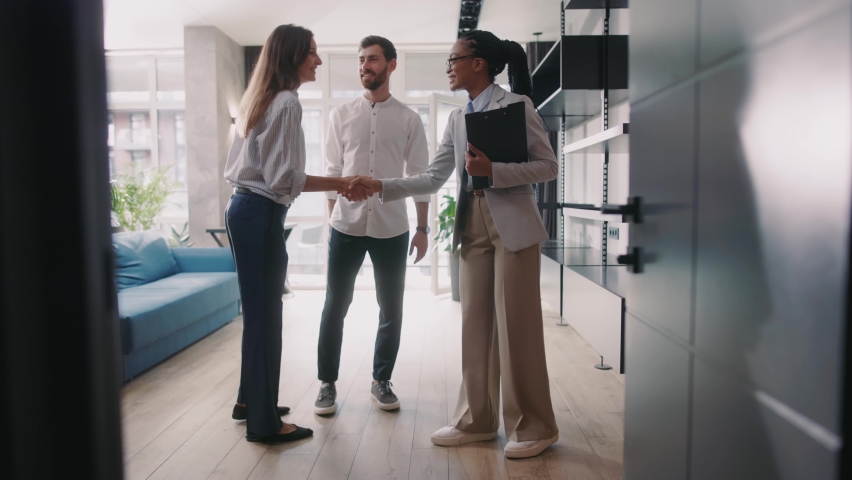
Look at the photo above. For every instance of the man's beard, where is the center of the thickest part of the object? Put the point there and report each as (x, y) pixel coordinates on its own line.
(379, 79)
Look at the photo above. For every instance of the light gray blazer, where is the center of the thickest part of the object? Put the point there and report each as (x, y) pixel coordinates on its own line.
(511, 198)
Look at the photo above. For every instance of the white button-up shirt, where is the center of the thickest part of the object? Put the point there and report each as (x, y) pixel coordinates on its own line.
(385, 140)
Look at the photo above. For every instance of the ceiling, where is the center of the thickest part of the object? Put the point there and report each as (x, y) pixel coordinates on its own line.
(155, 24)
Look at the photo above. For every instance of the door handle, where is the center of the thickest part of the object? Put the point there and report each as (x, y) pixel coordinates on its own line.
(633, 259)
(633, 209)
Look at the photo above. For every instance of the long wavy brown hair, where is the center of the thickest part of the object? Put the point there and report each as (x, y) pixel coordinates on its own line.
(276, 70)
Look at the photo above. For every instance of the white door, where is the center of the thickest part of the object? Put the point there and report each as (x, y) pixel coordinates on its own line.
(440, 107)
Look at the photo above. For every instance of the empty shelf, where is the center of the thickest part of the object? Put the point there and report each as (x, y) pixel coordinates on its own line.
(612, 140)
(576, 256)
(594, 4)
(592, 214)
(611, 278)
(569, 81)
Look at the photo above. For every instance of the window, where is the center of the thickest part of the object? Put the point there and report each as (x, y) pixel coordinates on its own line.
(423, 111)
(127, 80)
(172, 150)
(129, 142)
(425, 74)
(312, 90)
(170, 83)
(147, 123)
(140, 131)
(344, 79)
(311, 204)
(172, 144)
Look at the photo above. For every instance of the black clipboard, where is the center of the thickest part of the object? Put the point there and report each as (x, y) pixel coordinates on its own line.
(501, 134)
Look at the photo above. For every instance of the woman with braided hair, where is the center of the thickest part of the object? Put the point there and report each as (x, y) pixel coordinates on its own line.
(500, 231)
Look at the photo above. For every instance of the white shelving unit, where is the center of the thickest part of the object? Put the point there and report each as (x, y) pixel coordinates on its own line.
(578, 79)
(612, 140)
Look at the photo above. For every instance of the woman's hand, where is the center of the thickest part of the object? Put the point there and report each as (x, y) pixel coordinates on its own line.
(477, 164)
(355, 188)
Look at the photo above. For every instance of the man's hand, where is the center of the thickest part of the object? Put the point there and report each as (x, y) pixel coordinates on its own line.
(421, 243)
(478, 165)
(353, 189)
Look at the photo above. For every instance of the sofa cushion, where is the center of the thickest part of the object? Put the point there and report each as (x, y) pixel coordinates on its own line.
(141, 257)
(154, 310)
(197, 259)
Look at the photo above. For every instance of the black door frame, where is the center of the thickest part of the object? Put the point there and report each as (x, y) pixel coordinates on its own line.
(60, 366)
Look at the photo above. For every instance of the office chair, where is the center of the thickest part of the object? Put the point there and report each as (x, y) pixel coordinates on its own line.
(311, 239)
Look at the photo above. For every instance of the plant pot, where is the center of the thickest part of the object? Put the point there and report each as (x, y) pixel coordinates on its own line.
(455, 260)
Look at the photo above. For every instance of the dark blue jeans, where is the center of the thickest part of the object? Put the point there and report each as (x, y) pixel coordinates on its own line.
(345, 255)
(256, 231)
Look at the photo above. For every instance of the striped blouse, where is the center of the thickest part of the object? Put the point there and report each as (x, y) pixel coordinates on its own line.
(270, 161)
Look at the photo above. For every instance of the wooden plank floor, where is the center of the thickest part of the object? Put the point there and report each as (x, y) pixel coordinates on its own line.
(176, 418)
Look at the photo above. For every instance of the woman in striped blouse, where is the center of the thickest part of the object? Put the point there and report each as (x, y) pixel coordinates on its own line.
(266, 167)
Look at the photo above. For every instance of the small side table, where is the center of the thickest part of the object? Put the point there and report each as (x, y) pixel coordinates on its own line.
(214, 232)
(288, 229)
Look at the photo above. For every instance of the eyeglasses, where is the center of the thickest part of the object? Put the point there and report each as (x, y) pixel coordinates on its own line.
(451, 61)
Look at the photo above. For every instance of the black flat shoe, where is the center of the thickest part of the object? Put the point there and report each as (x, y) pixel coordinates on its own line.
(299, 434)
(239, 412)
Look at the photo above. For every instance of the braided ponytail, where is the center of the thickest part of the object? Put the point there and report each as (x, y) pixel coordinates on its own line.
(497, 53)
(519, 72)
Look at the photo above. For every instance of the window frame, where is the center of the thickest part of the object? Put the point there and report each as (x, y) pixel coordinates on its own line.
(153, 106)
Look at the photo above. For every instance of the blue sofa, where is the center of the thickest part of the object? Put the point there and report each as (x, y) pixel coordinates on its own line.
(169, 298)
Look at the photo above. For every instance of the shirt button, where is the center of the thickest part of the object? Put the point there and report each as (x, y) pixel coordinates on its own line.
(371, 151)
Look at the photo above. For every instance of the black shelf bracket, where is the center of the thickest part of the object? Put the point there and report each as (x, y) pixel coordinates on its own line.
(633, 260)
(633, 209)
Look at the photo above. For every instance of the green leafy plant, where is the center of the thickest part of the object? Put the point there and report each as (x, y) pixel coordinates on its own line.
(180, 239)
(137, 198)
(446, 223)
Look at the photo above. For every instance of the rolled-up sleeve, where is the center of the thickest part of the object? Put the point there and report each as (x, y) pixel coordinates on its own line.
(333, 152)
(283, 150)
(416, 153)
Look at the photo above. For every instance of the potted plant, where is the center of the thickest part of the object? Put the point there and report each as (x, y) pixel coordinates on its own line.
(137, 198)
(181, 238)
(444, 235)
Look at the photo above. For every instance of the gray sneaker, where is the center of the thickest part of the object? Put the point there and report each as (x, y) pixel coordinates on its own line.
(325, 400)
(384, 396)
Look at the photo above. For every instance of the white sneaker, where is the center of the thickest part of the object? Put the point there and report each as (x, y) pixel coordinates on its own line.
(451, 436)
(528, 449)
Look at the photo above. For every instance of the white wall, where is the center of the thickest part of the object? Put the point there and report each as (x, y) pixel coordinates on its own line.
(584, 183)
(214, 72)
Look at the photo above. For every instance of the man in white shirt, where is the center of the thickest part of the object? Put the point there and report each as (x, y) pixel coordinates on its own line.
(380, 137)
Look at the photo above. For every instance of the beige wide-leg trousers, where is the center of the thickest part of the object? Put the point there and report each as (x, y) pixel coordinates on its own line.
(502, 335)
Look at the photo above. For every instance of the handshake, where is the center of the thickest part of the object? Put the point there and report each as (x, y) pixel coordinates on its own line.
(357, 188)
